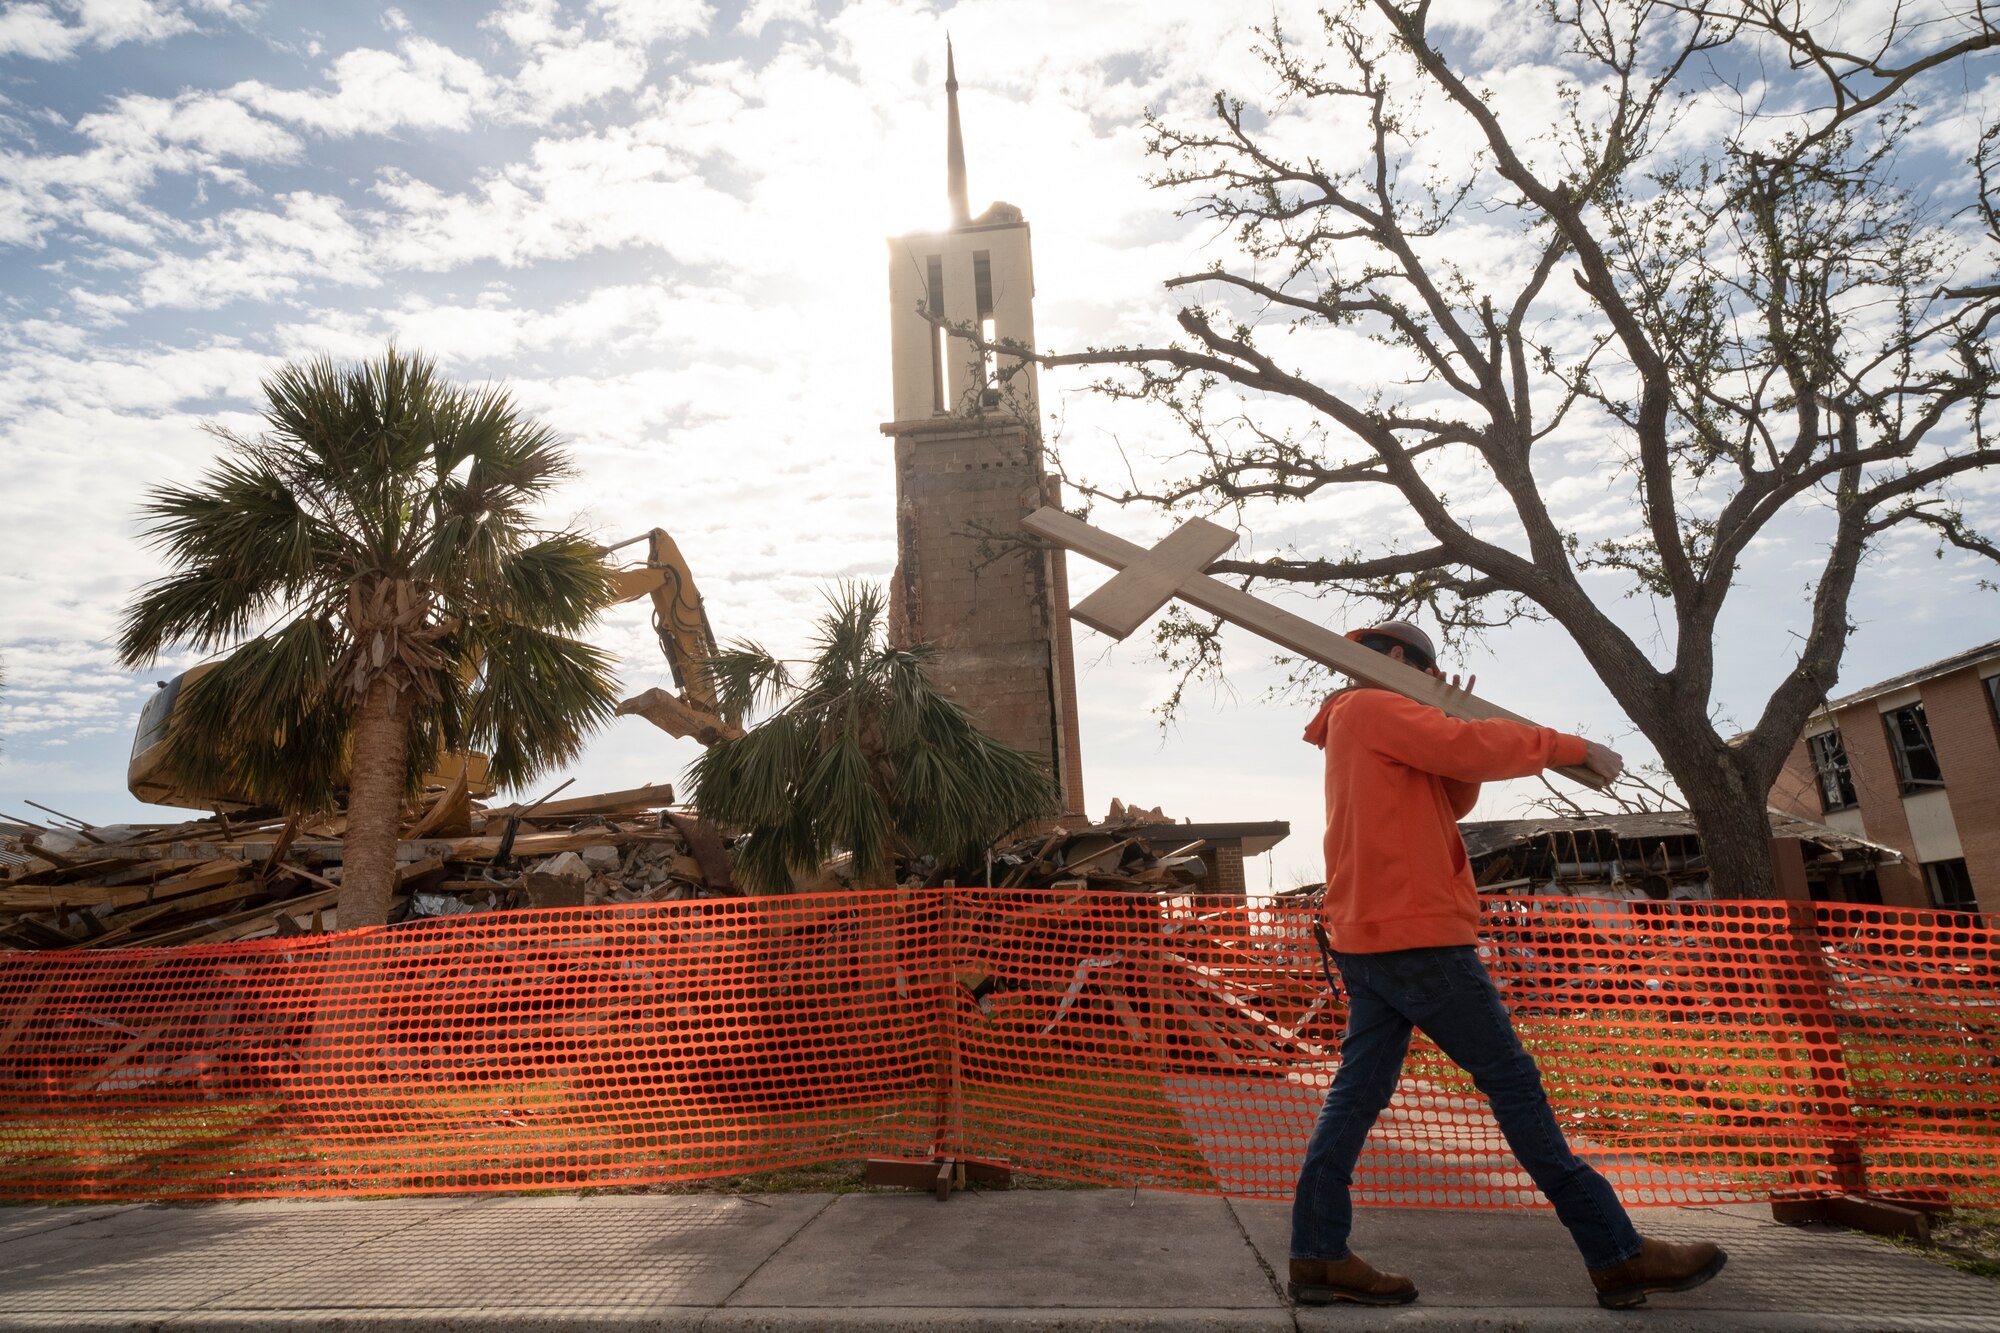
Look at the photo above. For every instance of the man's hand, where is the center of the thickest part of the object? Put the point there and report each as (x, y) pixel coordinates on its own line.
(1466, 688)
(1604, 760)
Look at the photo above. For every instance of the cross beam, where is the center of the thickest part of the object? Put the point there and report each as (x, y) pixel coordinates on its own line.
(1150, 579)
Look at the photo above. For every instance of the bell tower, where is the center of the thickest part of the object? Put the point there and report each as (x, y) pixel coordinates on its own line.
(969, 467)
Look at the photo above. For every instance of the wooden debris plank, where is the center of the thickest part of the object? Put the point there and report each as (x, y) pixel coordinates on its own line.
(217, 928)
(257, 919)
(68, 871)
(33, 934)
(1193, 972)
(25, 1011)
(1207, 1033)
(1071, 867)
(448, 849)
(1123, 1008)
(303, 873)
(126, 925)
(410, 870)
(149, 872)
(206, 874)
(452, 809)
(279, 847)
(122, 1057)
(652, 796)
(1027, 867)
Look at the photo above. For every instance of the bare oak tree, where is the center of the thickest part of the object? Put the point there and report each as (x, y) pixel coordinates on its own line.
(1706, 273)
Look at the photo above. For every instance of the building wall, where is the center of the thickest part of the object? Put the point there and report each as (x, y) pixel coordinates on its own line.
(1968, 746)
(1225, 869)
(1963, 818)
(1796, 792)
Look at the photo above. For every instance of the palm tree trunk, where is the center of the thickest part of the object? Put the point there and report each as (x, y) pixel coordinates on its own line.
(375, 791)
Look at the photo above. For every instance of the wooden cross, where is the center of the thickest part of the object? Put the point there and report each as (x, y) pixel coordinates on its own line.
(1148, 580)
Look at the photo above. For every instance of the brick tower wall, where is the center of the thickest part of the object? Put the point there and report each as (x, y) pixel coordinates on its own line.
(998, 613)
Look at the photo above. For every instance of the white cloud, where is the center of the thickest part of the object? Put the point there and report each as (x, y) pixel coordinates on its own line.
(36, 31)
(130, 147)
(760, 14)
(561, 77)
(420, 85)
(654, 20)
(574, 195)
(258, 254)
(529, 23)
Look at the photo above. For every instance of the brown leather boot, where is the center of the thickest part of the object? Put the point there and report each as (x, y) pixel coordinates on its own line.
(1324, 1281)
(1658, 1266)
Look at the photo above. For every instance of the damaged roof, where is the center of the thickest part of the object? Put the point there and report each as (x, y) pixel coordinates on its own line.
(1257, 836)
(1486, 836)
(1955, 662)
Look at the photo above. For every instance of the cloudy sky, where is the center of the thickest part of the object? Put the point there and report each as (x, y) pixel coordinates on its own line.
(661, 223)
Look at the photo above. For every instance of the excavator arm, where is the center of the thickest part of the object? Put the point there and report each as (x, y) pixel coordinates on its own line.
(686, 641)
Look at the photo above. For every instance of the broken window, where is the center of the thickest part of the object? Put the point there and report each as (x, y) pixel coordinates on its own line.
(1950, 885)
(934, 307)
(982, 290)
(1829, 761)
(1910, 742)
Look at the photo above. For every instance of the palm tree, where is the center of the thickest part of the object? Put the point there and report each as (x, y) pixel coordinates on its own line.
(370, 564)
(862, 755)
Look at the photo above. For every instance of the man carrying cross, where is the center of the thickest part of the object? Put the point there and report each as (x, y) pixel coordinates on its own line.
(1403, 916)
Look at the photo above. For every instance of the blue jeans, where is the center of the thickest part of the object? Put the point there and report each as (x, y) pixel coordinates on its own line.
(1446, 993)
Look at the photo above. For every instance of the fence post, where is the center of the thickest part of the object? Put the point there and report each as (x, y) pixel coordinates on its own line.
(947, 1168)
(1809, 1000)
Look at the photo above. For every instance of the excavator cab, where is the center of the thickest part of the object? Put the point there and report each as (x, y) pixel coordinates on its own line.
(147, 777)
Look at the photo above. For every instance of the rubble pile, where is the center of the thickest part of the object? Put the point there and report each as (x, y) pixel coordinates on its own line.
(212, 880)
(1133, 849)
(73, 885)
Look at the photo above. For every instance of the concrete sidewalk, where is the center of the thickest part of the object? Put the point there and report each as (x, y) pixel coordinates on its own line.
(1073, 1260)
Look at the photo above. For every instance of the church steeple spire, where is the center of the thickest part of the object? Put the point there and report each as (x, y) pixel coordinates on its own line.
(954, 151)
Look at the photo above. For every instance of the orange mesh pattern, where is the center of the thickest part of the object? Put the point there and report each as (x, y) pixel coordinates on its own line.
(1693, 1051)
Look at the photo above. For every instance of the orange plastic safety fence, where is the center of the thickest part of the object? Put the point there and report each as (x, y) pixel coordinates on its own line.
(1694, 1051)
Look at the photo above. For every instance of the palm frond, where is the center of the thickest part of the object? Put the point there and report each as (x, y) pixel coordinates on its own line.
(559, 583)
(264, 723)
(748, 679)
(839, 791)
(538, 697)
(862, 755)
(752, 781)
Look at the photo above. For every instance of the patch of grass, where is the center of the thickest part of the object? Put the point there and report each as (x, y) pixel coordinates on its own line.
(1967, 1239)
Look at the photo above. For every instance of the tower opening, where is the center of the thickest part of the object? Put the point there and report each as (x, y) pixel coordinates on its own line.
(934, 307)
(982, 287)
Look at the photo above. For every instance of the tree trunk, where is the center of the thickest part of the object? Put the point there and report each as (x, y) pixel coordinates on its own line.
(375, 791)
(1735, 827)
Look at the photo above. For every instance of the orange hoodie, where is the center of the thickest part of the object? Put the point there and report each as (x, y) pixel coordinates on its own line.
(1399, 777)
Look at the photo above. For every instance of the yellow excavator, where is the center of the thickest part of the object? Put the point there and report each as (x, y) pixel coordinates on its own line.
(695, 711)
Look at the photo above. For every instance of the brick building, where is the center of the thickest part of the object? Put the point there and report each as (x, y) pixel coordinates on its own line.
(1912, 762)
